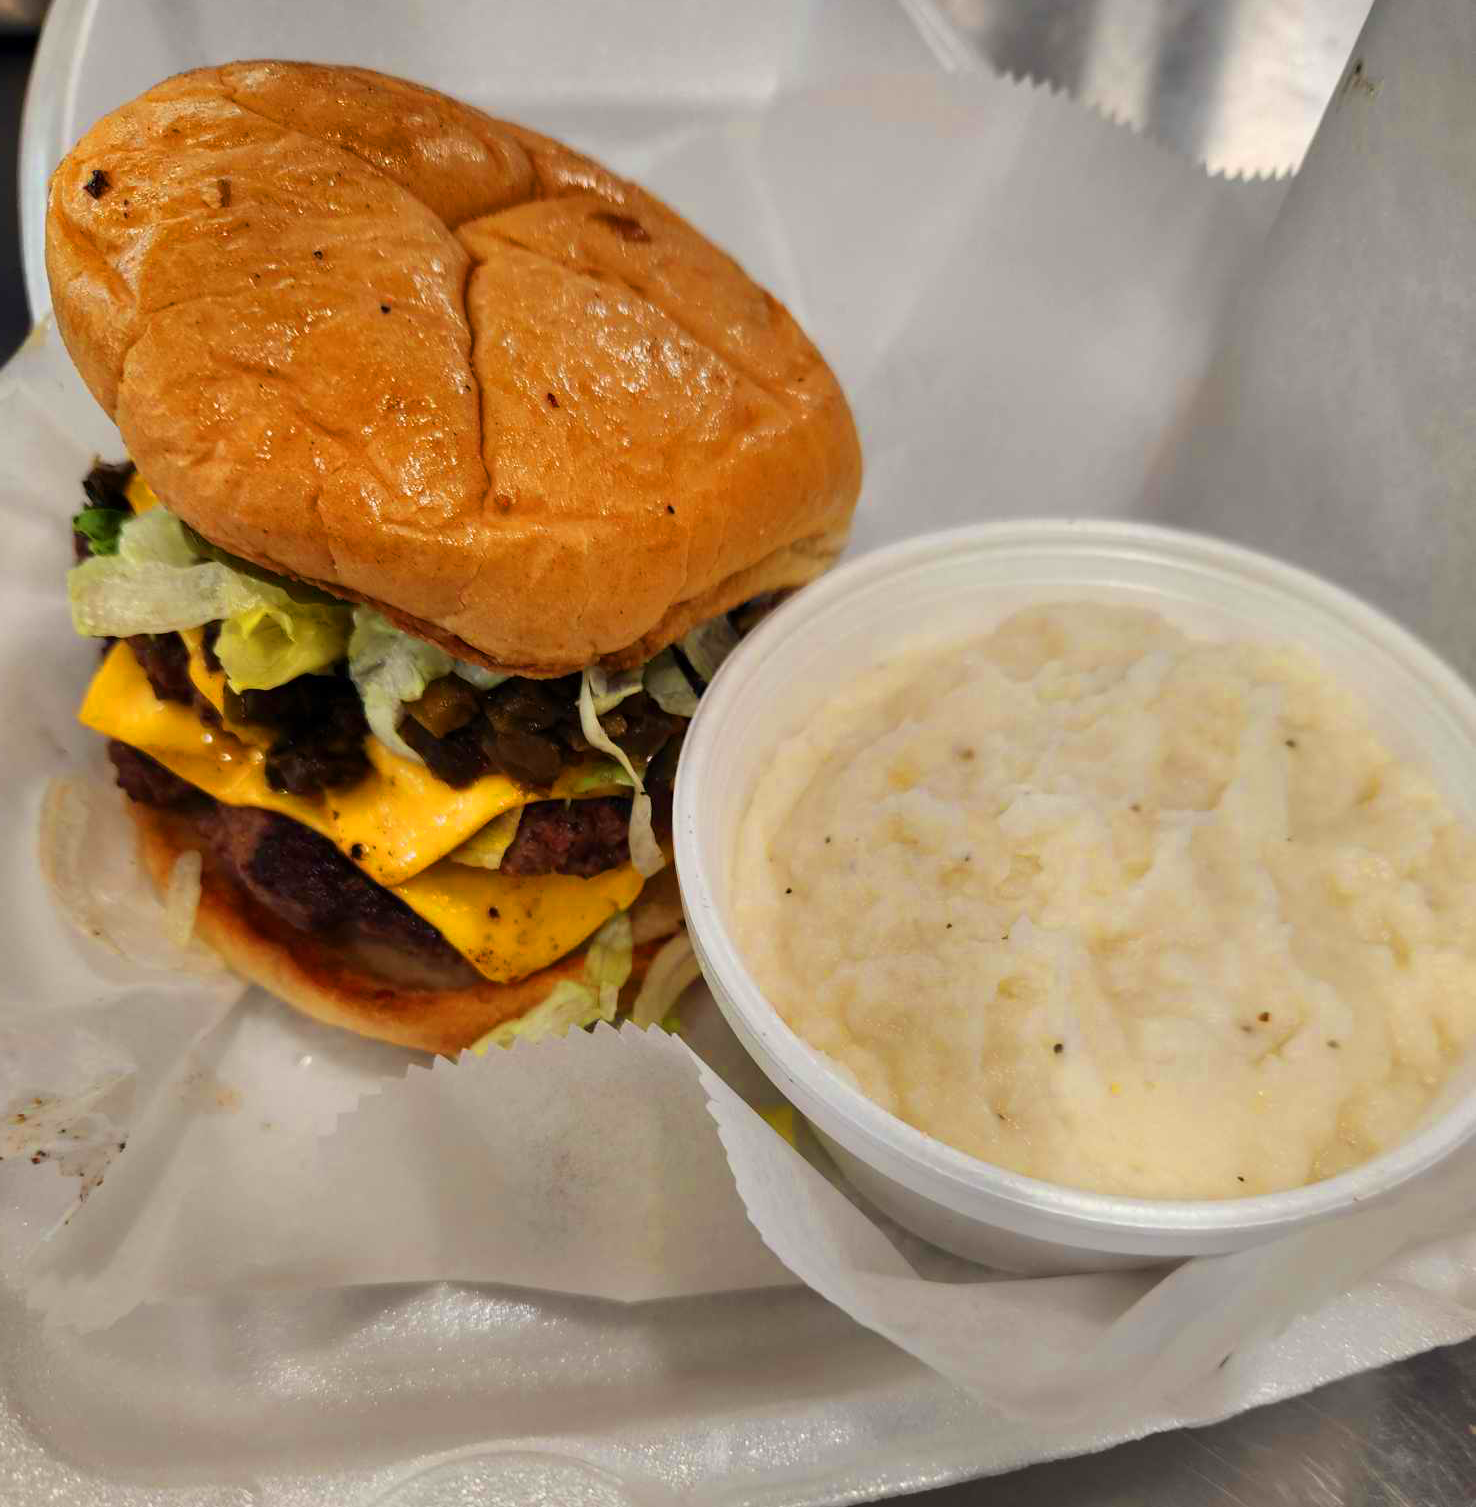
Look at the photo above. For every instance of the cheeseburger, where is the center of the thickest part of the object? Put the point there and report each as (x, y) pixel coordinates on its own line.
(457, 465)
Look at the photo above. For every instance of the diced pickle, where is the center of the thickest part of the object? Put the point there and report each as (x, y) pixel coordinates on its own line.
(448, 703)
(525, 706)
(528, 756)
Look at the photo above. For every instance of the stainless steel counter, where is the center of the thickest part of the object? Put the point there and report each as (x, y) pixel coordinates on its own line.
(1238, 84)
(1404, 1436)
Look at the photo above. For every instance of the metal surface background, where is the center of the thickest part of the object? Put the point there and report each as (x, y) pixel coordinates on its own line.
(1237, 84)
(1240, 85)
(1404, 1436)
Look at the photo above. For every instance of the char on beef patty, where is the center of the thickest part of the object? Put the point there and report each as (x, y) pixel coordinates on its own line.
(318, 719)
(285, 868)
(303, 880)
(146, 781)
(554, 837)
(573, 837)
(320, 726)
(165, 660)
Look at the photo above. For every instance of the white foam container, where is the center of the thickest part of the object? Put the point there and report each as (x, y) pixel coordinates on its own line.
(965, 581)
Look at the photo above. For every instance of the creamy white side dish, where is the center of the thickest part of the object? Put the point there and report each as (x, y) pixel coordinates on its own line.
(1116, 908)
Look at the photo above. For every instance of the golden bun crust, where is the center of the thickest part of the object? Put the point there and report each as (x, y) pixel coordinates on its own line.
(365, 335)
(314, 978)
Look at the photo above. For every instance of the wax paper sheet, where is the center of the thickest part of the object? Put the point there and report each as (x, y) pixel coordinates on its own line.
(1335, 426)
(1022, 302)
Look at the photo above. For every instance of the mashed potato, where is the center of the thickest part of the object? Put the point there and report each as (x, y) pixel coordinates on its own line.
(1116, 908)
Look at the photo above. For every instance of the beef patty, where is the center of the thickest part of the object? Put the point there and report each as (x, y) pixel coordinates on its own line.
(570, 837)
(302, 879)
(285, 868)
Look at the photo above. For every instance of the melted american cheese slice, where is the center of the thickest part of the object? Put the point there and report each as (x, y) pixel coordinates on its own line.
(508, 927)
(395, 824)
(140, 494)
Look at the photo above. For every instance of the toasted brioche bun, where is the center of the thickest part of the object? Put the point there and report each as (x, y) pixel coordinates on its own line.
(321, 981)
(369, 337)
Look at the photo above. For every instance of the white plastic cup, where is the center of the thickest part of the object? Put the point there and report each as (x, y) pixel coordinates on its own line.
(965, 582)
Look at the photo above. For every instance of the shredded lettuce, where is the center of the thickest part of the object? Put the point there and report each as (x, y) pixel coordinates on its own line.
(608, 962)
(609, 689)
(672, 969)
(113, 597)
(645, 851)
(478, 675)
(150, 573)
(156, 538)
(390, 668)
(709, 644)
(268, 646)
(570, 1005)
(668, 687)
(298, 591)
(99, 526)
(156, 581)
(486, 848)
(598, 778)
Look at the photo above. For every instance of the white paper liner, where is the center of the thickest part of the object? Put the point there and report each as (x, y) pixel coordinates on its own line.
(237, 1156)
(1106, 1347)
(580, 1165)
(1334, 427)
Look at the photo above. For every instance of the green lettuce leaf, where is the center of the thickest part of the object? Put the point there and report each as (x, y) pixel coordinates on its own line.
(607, 964)
(390, 668)
(156, 538)
(610, 687)
(709, 644)
(668, 687)
(99, 526)
(645, 851)
(486, 848)
(569, 1006)
(299, 591)
(267, 646)
(113, 597)
(155, 582)
(479, 675)
(599, 777)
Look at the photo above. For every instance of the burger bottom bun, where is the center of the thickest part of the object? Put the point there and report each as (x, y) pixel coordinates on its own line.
(338, 988)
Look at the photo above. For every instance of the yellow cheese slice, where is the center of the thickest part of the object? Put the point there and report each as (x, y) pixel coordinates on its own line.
(211, 684)
(394, 823)
(506, 926)
(140, 494)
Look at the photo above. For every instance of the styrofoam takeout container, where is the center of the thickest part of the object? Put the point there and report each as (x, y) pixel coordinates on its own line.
(964, 582)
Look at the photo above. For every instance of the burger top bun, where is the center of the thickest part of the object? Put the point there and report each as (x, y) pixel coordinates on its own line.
(366, 336)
